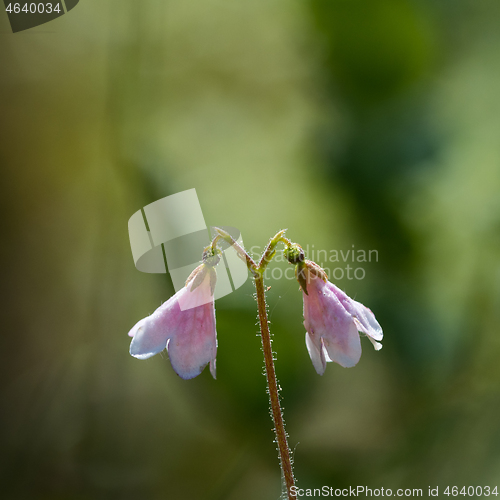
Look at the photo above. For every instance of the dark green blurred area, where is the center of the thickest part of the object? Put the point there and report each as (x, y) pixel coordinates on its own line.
(366, 123)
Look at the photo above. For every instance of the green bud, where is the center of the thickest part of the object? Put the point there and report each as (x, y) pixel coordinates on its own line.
(211, 257)
(294, 254)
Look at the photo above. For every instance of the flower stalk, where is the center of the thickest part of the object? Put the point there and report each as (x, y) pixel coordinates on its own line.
(272, 384)
(279, 426)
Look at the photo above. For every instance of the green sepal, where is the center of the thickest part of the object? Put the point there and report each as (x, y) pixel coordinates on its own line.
(198, 276)
(213, 279)
(300, 274)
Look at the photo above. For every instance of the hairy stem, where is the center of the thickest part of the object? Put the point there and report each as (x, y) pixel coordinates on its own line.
(279, 427)
(257, 270)
(252, 266)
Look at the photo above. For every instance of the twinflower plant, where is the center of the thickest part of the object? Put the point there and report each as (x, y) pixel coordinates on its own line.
(185, 325)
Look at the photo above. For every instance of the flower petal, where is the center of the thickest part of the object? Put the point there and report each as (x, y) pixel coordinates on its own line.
(189, 335)
(136, 327)
(213, 369)
(194, 343)
(367, 322)
(197, 294)
(150, 335)
(332, 320)
(377, 345)
(328, 321)
(344, 347)
(147, 339)
(317, 354)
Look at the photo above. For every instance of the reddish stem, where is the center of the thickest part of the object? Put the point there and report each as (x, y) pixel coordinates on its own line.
(279, 426)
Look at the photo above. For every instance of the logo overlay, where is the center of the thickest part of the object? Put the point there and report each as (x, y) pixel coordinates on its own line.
(171, 233)
(26, 15)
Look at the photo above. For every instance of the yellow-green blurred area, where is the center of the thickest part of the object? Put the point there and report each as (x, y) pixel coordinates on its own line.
(373, 123)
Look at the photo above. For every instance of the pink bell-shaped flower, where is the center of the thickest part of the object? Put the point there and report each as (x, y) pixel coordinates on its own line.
(184, 325)
(333, 320)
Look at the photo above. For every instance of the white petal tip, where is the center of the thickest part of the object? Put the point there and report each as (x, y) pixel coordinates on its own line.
(317, 355)
(213, 370)
(376, 345)
(137, 327)
(146, 343)
(143, 356)
(348, 363)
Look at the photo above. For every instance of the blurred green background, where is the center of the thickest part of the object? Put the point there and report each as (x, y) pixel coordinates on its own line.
(373, 123)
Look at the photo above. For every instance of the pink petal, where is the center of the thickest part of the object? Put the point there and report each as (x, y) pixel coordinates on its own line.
(367, 322)
(189, 335)
(364, 318)
(344, 349)
(201, 295)
(316, 353)
(193, 345)
(327, 320)
(150, 335)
